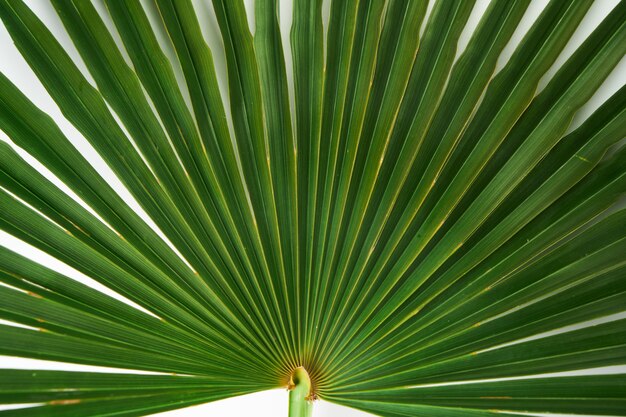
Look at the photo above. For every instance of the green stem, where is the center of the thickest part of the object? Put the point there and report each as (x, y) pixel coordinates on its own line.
(300, 404)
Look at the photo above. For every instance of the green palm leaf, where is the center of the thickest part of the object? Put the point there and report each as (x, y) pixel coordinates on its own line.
(367, 216)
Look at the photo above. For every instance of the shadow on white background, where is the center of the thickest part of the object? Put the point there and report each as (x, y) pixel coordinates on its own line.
(263, 404)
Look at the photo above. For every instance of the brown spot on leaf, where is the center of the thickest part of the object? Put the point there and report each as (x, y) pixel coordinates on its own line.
(64, 402)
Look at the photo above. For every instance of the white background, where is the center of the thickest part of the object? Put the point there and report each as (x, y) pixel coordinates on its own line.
(270, 403)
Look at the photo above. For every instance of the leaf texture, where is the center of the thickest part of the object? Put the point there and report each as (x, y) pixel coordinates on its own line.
(415, 227)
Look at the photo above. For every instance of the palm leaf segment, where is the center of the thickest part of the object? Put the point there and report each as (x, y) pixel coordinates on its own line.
(394, 220)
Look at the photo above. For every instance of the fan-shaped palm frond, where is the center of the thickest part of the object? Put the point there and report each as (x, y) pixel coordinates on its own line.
(397, 229)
